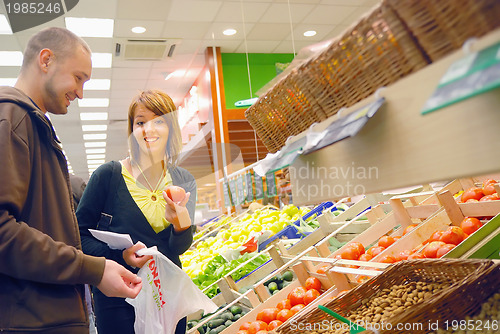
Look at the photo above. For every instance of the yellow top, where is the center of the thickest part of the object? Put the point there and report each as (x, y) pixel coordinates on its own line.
(152, 204)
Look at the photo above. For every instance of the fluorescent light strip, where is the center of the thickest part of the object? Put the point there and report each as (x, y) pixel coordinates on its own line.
(102, 60)
(11, 58)
(95, 156)
(93, 103)
(95, 144)
(94, 136)
(94, 127)
(4, 26)
(95, 161)
(95, 150)
(97, 84)
(8, 81)
(87, 27)
(94, 116)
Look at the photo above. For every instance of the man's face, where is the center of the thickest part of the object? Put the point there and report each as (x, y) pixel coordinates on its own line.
(65, 81)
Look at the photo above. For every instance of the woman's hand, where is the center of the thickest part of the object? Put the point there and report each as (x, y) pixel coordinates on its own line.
(134, 260)
(176, 213)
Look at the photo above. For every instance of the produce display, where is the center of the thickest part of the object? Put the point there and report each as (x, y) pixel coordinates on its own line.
(270, 318)
(228, 241)
(220, 322)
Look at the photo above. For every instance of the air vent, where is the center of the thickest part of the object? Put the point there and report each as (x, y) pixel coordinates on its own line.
(145, 49)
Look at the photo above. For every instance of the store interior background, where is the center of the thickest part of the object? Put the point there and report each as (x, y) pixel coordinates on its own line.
(268, 32)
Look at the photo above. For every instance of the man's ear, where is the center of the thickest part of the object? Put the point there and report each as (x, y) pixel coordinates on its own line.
(45, 57)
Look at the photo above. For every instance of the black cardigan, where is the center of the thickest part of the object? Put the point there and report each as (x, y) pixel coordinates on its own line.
(128, 218)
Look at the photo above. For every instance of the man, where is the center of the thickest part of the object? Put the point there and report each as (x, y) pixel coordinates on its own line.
(42, 269)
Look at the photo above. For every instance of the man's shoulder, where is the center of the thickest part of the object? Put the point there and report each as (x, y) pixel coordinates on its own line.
(14, 104)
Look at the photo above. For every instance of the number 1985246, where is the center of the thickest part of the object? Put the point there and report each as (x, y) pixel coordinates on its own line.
(33, 8)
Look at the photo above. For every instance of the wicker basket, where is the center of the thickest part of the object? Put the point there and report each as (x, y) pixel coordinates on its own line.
(462, 274)
(375, 52)
(441, 26)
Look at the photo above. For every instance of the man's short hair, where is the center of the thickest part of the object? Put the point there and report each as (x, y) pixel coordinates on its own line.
(60, 40)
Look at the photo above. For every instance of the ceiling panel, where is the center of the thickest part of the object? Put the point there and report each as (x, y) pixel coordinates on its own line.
(280, 13)
(194, 10)
(142, 10)
(123, 28)
(329, 14)
(269, 31)
(232, 12)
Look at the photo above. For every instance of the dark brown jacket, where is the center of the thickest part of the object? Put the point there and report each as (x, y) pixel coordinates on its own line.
(42, 269)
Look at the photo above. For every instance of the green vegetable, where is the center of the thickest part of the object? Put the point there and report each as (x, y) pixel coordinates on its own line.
(235, 309)
(272, 287)
(287, 276)
(215, 323)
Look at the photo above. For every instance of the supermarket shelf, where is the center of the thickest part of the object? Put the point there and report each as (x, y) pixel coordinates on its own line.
(400, 147)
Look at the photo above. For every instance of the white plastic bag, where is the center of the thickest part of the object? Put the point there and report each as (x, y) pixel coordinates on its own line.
(167, 296)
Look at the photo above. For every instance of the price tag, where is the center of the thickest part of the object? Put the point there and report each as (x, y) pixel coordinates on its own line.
(347, 126)
(249, 186)
(271, 185)
(259, 187)
(233, 191)
(225, 189)
(472, 75)
(241, 189)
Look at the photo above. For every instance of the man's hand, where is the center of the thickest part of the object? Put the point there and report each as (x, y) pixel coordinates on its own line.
(119, 282)
(134, 260)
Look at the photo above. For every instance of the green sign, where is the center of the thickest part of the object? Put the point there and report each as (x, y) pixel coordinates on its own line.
(271, 185)
(474, 74)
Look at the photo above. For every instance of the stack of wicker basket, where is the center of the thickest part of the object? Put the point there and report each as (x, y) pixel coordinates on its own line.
(395, 39)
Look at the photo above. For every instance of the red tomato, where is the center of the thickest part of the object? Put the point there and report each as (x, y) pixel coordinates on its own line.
(436, 236)
(472, 200)
(322, 269)
(284, 315)
(296, 296)
(312, 283)
(359, 246)
(274, 324)
(409, 228)
(375, 250)
(245, 326)
(256, 326)
(311, 295)
(431, 249)
(350, 253)
(488, 187)
(284, 304)
(385, 241)
(268, 314)
(175, 193)
(444, 249)
(453, 235)
(403, 255)
(262, 331)
(297, 308)
(241, 331)
(470, 224)
(365, 257)
(416, 256)
(473, 192)
(492, 197)
(387, 259)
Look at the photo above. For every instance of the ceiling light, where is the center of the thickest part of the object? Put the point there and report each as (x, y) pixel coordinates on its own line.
(138, 30)
(8, 81)
(94, 127)
(4, 26)
(102, 60)
(95, 144)
(85, 27)
(95, 162)
(229, 32)
(94, 136)
(95, 150)
(94, 116)
(11, 58)
(93, 102)
(97, 84)
(310, 33)
(95, 156)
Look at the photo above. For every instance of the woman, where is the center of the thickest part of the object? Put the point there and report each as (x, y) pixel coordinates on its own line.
(128, 197)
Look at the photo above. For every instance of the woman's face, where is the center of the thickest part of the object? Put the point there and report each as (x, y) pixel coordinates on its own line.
(151, 133)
